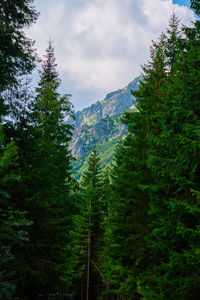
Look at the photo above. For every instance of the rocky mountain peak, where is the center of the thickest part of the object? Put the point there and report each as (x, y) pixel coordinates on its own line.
(101, 122)
(114, 103)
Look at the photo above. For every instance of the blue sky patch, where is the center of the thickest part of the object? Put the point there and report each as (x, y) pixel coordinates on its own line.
(182, 2)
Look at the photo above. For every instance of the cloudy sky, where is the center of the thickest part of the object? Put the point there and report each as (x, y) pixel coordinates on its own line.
(100, 45)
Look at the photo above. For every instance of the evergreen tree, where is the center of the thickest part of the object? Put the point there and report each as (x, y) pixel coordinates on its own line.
(45, 189)
(175, 167)
(195, 5)
(151, 99)
(88, 234)
(16, 50)
(106, 191)
(16, 55)
(49, 73)
(128, 221)
(16, 58)
(166, 126)
(13, 223)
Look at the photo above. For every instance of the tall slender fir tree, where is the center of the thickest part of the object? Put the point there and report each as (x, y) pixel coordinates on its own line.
(89, 233)
(45, 188)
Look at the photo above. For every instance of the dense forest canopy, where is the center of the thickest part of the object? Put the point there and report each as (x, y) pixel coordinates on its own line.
(130, 231)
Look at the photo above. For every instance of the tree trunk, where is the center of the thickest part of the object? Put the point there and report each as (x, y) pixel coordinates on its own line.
(88, 262)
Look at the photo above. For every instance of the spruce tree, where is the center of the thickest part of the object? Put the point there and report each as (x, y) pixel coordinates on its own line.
(88, 235)
(128, 220)
(175, 166)
(45, 188)
(13, 222)
(154, 87)
(17, 56)
(195, 5)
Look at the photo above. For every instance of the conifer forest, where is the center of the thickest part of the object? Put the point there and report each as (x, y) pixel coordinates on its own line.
(130, 230)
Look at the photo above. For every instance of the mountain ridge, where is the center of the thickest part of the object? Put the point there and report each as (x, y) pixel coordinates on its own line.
(108, 106)
(100, 123)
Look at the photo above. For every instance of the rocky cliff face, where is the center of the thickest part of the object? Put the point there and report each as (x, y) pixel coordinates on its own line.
(101, 122)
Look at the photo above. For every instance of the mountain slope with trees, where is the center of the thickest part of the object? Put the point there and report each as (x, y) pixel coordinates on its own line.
(131, 231)
(99, 125)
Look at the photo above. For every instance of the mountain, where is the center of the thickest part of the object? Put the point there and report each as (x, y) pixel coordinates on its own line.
(100, 125)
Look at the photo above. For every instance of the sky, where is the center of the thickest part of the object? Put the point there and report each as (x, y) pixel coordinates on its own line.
(100, 45)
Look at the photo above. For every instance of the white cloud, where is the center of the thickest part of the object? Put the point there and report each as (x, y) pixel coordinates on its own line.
(101, 44)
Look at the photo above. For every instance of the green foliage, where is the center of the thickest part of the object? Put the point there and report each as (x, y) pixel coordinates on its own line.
(47, 178)
(104, 135)
(152, 230)
(16, 53)
(106, 151)
(174, 162)
(133, 233)
(13, 223)
(16, 58)
(39, 129)
(88, 232)
(195, 5)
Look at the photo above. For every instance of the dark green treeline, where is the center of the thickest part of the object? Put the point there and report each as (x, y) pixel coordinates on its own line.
(131, 232)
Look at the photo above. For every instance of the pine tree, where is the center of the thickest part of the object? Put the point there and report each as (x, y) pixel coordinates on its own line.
(195, 5)
(13, 222)
(88, 234)
(175, 166)
(17, 56)
(45, 189)
(49, 72)
(157, 78)
(128, 220)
